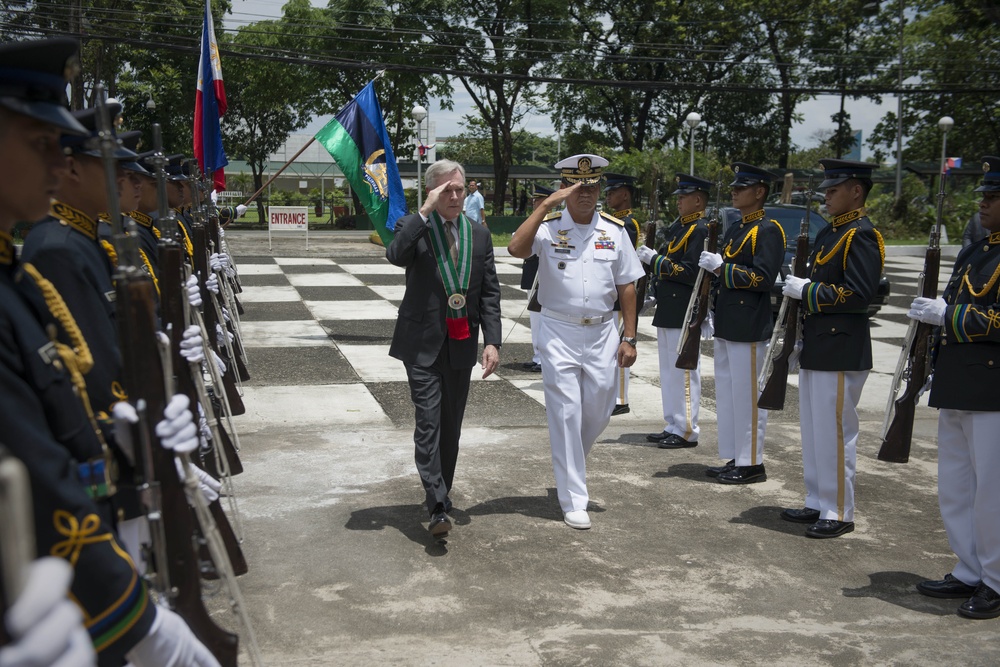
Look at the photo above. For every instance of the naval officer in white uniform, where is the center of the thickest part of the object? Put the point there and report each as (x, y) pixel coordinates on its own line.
(586, 261)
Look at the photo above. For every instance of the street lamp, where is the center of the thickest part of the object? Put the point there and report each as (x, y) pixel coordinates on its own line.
(419, 114)
(946, 123)
(693, 119)
(150, 104)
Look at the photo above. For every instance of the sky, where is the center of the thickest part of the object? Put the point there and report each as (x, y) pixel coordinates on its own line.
(816, 113)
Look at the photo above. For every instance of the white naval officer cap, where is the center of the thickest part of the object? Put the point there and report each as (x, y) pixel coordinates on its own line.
(585, 169)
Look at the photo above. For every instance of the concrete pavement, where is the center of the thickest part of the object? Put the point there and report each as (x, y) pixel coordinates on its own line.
(677, 570)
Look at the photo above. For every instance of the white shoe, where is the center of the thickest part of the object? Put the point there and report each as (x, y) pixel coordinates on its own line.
(578, 519)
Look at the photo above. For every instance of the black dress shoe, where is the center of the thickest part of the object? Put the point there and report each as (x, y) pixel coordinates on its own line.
(621, 410)
(743, 475)
(715, 471)
(984, 603)
(947, 588)
(440, 524)
(829, 528)
(676, 442)
(804, 515)
(535, 368)
(656, 437)
(528, 365)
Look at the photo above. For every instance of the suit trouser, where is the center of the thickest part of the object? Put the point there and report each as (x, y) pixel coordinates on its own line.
(968, 493)
(680, 389)
(828, 422)
(621, 374)
(741, 423)
(578, 374)
(439, 394)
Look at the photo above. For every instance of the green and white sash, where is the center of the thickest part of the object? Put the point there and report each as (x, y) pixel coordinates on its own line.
(455, 277)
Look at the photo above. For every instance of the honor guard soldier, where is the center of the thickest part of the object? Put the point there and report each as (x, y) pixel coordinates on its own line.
(675, 268)
(966, 360)
(585, 261)
(529, 283)
(845, 267)
(46, 423)
(64, 249)
(618, 195)
(752, 253)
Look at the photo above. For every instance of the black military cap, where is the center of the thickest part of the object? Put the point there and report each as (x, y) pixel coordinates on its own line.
(176, 169)
(686, 184)
(130, 140)
(85, 145)
(618, 180)
(33, 78)
(991, 175)
(541, 191)
(747, 174)
(145, 160)
(837, 171)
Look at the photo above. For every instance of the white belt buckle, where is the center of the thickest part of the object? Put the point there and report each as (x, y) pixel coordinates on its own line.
(586, 320)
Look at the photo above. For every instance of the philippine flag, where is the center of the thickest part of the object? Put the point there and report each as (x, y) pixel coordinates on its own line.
(209, 105)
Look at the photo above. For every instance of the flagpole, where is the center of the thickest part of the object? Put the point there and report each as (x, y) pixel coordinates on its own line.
(278, 173)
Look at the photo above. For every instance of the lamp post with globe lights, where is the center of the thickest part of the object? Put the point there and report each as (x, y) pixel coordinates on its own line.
(419, 114)
(693, 120)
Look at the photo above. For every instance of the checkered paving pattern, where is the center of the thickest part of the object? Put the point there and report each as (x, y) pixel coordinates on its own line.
(317, 332)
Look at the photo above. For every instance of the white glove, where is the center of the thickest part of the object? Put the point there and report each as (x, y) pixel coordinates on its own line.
(193, 291)
(708, 326)
(192, 345)
(170, 643)
(208, 485)
(793, 358)
(124, 415)
(926, 388)
(177, 430)
(710, 261)
(645, 253)
(225, 314)
(929, 311)
(793, 286)
(240, 210)
(219, 333)
(47, 628)
(212, 283)
(219, 261)
(219, 363)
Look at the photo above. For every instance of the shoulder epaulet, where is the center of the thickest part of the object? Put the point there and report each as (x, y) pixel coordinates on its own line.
(611, 218)
(552, 216)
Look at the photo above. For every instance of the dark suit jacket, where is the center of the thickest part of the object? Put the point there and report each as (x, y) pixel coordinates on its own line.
(420, 328)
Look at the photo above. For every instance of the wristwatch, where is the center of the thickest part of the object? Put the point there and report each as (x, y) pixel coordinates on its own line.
(629, 340)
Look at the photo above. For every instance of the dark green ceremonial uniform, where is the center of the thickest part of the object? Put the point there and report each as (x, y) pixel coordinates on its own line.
(676, 269)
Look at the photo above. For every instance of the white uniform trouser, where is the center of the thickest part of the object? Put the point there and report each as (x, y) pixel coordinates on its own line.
(968, 493)
(741, 422)
(533, 320)
(621, 374)
(828, 419)
(679, 389)
(578, 374)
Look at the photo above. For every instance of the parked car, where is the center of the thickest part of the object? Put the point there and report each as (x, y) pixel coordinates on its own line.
(790, 217)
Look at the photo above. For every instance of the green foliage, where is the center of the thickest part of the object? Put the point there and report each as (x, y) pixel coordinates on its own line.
(912, 221)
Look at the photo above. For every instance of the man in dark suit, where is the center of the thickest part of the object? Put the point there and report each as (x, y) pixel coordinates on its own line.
(451, 291)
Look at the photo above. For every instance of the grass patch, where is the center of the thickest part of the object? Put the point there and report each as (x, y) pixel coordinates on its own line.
(501, 240)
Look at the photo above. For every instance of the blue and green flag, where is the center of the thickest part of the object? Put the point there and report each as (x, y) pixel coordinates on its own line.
(359, 143)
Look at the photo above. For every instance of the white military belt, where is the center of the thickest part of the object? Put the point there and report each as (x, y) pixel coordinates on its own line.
(576, 319)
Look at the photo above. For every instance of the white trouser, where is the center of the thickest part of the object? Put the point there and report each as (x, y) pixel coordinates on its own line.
(828, 419)
(741, 422)
(133, 534)
(679, 389)
(621, 374)
(533, 319)
(578, 374)
(968, 493)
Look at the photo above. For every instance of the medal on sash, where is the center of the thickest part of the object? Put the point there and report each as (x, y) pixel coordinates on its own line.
(455, 278)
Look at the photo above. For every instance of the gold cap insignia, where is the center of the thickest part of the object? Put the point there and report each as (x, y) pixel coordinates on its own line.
(986, 166)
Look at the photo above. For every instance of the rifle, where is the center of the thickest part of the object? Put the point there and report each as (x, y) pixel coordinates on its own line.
(173, 309)
(914, 358)
(236, 351)
(17, 533)
(640, 291)
(689, 345)
(146, 375)
(773, 380)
